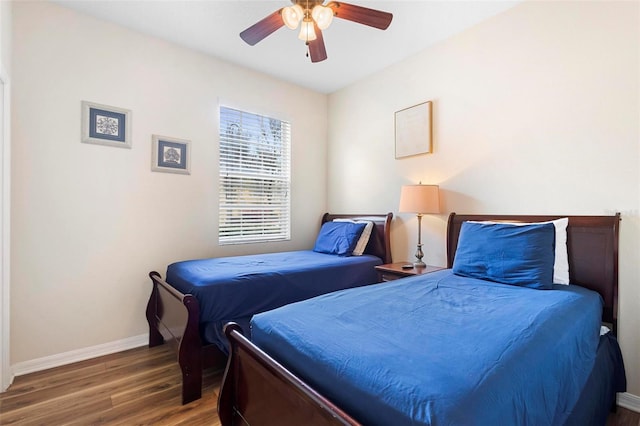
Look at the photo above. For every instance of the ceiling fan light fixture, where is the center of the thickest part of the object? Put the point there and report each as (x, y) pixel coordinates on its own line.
(322, 15)
(292, 15)
(307, 33)
(315, 18)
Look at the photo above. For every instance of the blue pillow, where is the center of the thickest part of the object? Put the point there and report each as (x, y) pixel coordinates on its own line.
(521, 255)
(338, 238)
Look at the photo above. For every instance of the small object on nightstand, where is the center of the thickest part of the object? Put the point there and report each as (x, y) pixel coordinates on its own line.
(407, 266)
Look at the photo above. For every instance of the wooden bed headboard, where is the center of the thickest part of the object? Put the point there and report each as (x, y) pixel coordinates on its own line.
(592, 245)
(380, 240)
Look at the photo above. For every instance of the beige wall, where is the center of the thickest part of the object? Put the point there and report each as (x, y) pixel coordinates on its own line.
(535, 111)
(89, 221)
(5, 35)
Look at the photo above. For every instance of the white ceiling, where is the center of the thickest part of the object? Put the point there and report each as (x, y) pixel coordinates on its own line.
(354, 51)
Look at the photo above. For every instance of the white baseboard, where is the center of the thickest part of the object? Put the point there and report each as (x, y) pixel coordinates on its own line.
(58, 360)
(629, 401)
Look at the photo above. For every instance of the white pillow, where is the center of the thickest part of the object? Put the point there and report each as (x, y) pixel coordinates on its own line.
(364, 237)
(561, 262)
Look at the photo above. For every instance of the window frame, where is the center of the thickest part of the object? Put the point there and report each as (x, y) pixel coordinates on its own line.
(254, 178)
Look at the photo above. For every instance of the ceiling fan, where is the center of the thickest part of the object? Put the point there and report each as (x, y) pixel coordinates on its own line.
(313, 17)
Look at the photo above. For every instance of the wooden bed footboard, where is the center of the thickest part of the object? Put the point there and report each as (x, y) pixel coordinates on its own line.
(275, 396)
(173, 317)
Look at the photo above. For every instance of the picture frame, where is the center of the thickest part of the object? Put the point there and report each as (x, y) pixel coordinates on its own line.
(106, 125)
(413, 130)
(170, 155)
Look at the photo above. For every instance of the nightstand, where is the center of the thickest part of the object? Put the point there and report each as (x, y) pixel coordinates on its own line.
(394, 271)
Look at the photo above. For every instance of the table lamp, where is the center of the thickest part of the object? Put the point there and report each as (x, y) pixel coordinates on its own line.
(420, 199)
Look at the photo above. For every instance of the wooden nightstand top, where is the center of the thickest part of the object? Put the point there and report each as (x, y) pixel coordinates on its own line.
(396, 269)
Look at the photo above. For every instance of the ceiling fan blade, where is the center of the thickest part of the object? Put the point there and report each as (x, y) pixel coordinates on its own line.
(361, 15)
(317, 51)
(263, 28)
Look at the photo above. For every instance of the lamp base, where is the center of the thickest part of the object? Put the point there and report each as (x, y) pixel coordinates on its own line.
(419, 255)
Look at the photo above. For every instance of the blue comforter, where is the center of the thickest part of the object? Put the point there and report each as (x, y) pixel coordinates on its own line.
(441, 349)
(235, 288)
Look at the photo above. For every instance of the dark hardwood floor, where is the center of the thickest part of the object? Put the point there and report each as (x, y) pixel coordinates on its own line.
(624, 417)
(137, 387)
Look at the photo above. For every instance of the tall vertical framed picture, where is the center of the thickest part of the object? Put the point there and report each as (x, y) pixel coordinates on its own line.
(171, 155)
(106, 125)
(413, 130)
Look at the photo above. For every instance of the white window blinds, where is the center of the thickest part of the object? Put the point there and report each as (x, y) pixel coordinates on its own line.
(254, 178)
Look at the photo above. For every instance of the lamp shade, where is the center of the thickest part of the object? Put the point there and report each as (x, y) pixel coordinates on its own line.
(307, 33)
(292, 15)
(420, 199)
(323, 16)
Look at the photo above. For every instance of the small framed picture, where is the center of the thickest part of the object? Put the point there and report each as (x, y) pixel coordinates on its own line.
(170, 155)
(413, 130)
(106, 125)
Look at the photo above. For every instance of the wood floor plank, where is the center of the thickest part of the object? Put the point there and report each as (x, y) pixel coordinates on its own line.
(48, 414)
(35, 381)
(204, 413)
(166, 415)
(126, 395)
(132, 413)
(133, 357)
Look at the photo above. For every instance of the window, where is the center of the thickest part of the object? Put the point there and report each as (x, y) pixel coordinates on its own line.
(254, 178)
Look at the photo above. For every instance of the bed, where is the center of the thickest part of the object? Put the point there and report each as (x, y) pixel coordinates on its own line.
(189, 307)
(442, 347)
